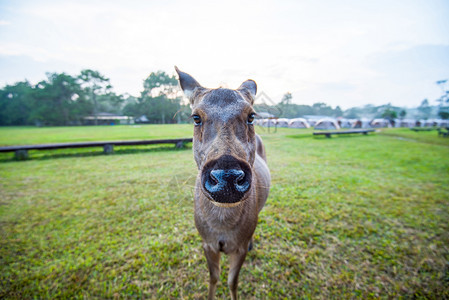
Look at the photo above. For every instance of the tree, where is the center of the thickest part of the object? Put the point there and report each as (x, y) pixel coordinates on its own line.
(402, 114)
(287, 98)
(16, 104)
(285, 107)
(159, 100)
(443, 113)
(425, 109)
(389, 114)
(159, 79)
(59, 100)
(131, 106)
(110, 103)
(321, 108)
(443, 109)
(95, 84)
(338, 112)
(352, 113)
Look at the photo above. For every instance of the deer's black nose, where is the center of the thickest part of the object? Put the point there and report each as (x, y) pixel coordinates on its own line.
(226, 185)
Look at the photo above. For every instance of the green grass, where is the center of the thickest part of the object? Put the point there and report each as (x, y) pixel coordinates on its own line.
(420, 136)
(347, 217)
(47, 135)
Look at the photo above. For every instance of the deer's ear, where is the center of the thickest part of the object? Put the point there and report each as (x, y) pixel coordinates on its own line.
(249, 88)
(188, 84)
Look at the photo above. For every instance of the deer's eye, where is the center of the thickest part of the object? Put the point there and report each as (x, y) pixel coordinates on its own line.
(197, 120)
(251, 117)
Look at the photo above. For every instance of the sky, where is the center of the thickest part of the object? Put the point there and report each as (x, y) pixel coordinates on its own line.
(346, 53)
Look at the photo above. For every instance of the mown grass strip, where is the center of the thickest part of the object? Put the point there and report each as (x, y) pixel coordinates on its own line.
(359, 217)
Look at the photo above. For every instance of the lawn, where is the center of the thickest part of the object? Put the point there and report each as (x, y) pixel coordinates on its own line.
(48, 135)
(347, 217)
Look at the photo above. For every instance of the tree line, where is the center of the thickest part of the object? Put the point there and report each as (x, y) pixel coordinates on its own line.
(63, 99)
(286, 109)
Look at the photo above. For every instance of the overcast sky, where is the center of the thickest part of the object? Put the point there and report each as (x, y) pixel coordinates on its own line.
(346, 53)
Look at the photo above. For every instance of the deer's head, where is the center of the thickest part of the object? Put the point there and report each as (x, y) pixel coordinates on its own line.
(224, 141)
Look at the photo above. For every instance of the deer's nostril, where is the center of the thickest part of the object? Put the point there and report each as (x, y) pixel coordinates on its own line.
(240, 179)
(214, 176)
(237, 175)
(242, 184)
(215, 183)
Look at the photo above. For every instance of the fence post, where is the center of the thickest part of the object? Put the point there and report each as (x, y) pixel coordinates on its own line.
(21, 154)
(108, 149)
(179, 144)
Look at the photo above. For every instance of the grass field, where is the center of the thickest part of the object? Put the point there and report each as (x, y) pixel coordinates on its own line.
(347, 217)
(48, 135)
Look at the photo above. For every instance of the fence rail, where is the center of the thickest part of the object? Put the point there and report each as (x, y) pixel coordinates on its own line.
(21, 151)
(329, 133)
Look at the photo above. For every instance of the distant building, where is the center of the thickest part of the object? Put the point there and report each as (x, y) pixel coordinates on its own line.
(142, 119)
(104, 118)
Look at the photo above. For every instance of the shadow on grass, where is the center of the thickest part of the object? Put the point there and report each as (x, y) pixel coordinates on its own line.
(87, 152)
(323, 137)
(342, 136)
(299, 136)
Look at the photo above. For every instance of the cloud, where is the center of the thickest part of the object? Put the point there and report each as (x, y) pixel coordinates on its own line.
(337, 52)
(421, 62)
(18, 65)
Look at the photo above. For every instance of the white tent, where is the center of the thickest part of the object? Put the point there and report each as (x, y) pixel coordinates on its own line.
(406, 123)
(327, 124)
(443, 123)
(282, 122)
(361, 123)
(269, 123)
(432, 122)
(298, 123)
(379, 123)
(344, 123)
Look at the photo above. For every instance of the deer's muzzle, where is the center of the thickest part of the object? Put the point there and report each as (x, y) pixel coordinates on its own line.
(226, 180)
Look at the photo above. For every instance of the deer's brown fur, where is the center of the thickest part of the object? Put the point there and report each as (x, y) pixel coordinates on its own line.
(225, 142)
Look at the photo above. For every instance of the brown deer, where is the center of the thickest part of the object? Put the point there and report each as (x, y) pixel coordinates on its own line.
(233, 179)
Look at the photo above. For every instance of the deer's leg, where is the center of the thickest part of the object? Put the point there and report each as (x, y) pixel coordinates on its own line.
(236, 260)
(213, 263)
